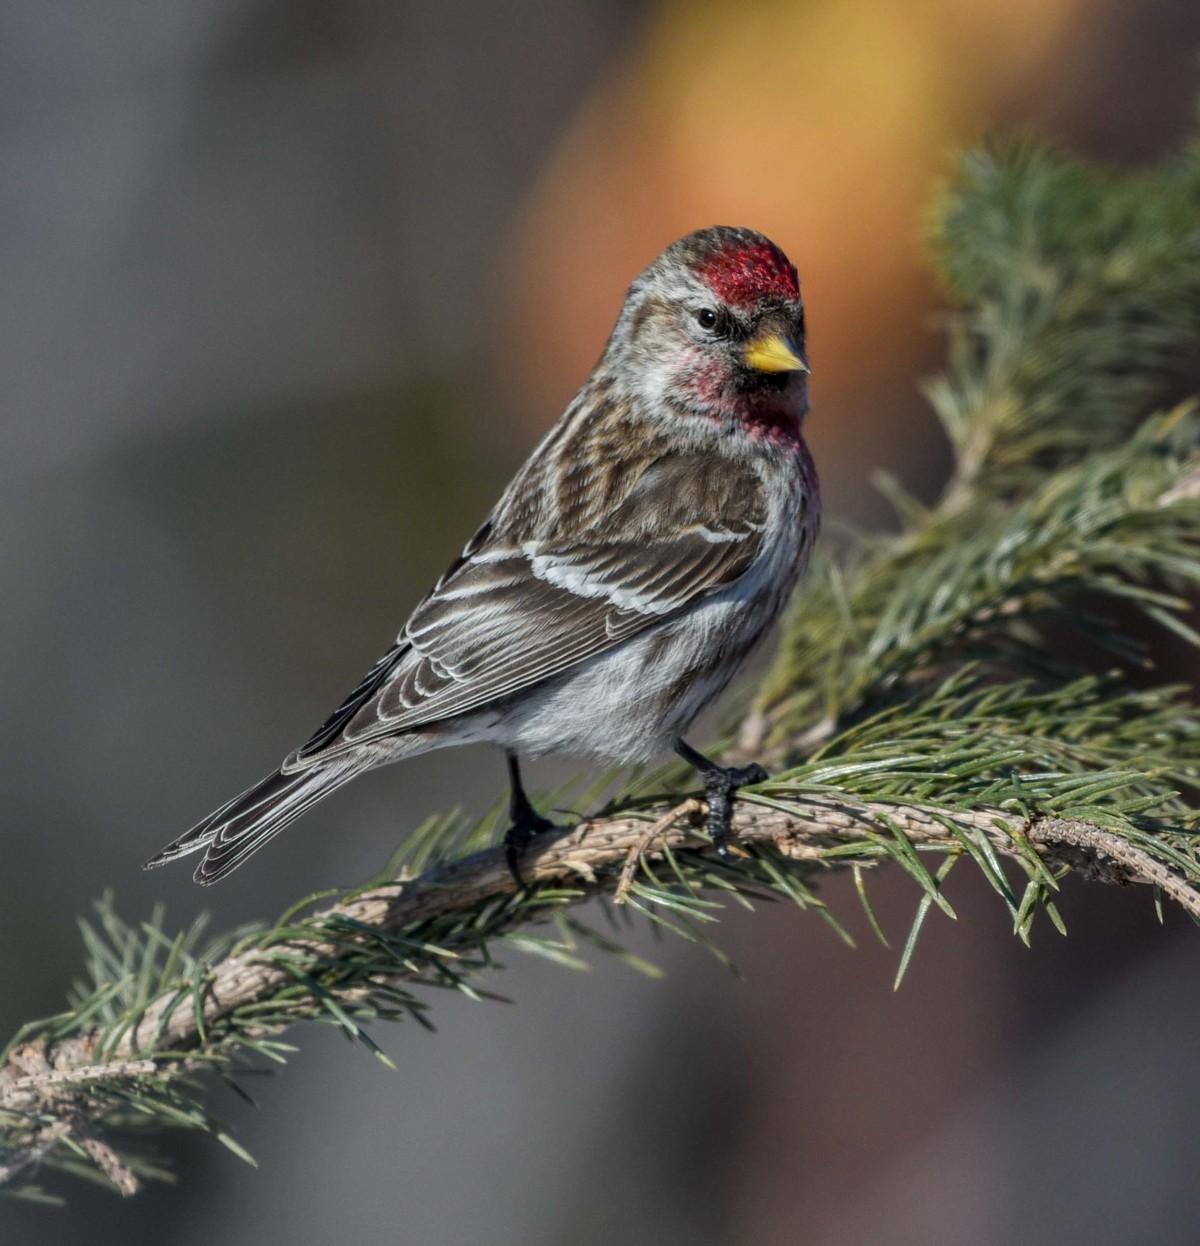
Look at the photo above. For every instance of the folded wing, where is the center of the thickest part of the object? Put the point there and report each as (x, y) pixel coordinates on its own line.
(520, 607)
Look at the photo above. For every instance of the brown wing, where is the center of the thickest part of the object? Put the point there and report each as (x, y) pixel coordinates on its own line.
(527, 601)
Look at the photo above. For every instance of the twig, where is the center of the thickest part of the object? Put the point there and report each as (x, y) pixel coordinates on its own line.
(635, 854)
(106, 1159)
(46, 1082)
(39, 1089)
(1134, 865)
(38, 1084)
(803, 831)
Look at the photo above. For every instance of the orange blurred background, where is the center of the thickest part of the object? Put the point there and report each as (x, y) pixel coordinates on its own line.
(827, 126)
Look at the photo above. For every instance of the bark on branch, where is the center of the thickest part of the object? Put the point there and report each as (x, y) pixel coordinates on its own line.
(587, 853)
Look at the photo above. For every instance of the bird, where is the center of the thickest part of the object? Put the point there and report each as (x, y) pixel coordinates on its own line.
(644, 548)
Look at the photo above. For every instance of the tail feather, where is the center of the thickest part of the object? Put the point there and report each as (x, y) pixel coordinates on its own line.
(243, 825)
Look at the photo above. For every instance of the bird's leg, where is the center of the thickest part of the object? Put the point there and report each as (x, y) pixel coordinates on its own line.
(525, 821)
(720, 783)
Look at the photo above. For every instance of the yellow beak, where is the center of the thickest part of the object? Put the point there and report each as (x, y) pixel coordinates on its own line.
(774, 353)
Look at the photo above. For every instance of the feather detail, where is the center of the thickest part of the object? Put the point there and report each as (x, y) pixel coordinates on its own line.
(547, 587)
(244, 824)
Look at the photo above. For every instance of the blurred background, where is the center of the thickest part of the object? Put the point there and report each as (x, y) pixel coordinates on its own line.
(287, 291)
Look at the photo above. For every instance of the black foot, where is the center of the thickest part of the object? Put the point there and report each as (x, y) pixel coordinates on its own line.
(526, 822)
(720, 784)
(517, 837)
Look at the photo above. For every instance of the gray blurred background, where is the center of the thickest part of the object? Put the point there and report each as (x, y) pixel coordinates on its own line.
(287, 291)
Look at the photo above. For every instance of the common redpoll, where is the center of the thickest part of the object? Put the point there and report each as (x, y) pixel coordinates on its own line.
(628, 569)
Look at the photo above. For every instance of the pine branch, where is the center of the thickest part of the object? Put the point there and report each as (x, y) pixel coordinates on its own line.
(929, 703)
(577, 864)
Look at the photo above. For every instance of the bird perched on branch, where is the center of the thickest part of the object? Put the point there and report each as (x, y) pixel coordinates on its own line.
(647, 544)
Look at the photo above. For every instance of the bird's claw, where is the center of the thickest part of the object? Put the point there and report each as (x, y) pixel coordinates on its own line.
(720, 784)
(516, 839)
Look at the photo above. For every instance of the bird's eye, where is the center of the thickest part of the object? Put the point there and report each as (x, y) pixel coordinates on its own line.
(706, 318)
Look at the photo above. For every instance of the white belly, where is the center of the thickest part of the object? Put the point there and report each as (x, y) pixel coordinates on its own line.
(631, 703)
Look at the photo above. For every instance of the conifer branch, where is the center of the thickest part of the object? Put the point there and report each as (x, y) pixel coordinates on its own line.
(575, 864)
(580, 863)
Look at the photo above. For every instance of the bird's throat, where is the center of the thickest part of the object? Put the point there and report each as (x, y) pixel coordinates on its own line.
(774, 415)
(771, 410)
(777, 423)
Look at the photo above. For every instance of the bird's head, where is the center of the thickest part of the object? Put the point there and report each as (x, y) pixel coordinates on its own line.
(714, 330)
